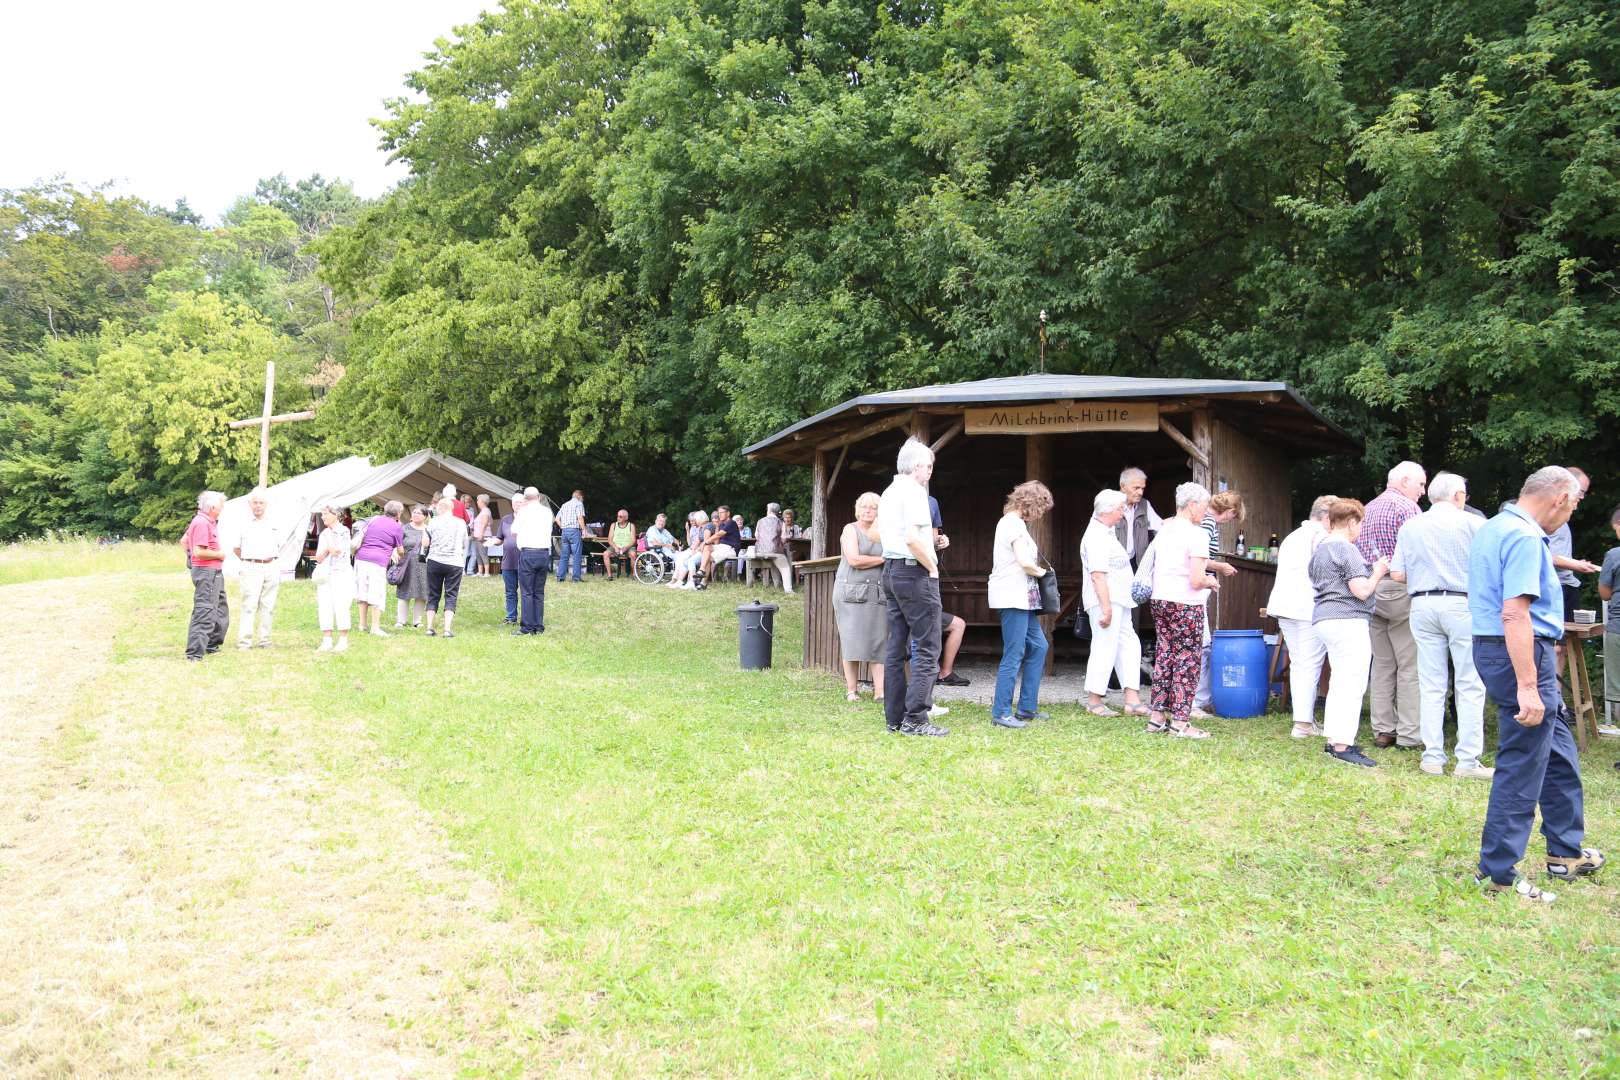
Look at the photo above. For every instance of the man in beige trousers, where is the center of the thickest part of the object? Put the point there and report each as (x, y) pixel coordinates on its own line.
(1394, 686)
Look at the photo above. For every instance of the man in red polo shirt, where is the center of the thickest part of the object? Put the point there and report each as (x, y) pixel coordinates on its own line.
(210, 615)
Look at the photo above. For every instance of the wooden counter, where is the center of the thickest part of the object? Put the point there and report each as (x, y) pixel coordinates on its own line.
(1237, 606)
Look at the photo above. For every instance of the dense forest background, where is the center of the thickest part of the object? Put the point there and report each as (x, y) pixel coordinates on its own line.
(639, 234)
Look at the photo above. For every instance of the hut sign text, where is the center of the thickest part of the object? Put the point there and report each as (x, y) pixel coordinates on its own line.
(1052, 418)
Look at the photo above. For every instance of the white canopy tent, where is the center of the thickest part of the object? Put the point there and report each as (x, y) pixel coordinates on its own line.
(416, 478)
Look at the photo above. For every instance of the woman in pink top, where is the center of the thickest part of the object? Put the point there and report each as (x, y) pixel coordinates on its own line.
(1182, 584)
(480, 532)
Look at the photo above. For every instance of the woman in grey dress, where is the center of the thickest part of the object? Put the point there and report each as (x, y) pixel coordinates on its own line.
(858, 600)
(412, 588)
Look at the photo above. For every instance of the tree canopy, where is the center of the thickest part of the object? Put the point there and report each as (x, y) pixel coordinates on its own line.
(639, 234)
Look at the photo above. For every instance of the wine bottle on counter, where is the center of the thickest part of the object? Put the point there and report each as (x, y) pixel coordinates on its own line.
(1271, 549)
(1241, 550)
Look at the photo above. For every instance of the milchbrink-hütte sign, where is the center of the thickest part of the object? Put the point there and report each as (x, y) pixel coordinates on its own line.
(1075, 416)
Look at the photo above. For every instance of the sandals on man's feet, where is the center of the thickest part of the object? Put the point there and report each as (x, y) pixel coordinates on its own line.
(1187, 731)
(1589, 861)
(1521, 888)
(1100, 710)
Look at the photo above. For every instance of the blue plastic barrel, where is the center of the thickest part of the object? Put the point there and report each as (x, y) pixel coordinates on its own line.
(1237, 672)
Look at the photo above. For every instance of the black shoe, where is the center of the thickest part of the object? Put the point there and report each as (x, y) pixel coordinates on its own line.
(198, 660)
(953, 679)
(1033, 715)
(1350, 755)
(1008, 722)
(924, 728)
(511, 622)
(447, 633)
(520, 633)
(213, 649)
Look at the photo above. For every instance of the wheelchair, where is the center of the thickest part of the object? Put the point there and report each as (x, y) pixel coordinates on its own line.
(653, 567)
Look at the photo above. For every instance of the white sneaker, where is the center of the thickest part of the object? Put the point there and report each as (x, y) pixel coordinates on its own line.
(342, 646)
(244, 644)
(326, 645)
(1473, 772)
(378, 631)
(1433, 768)
(265, 644)
(937, 711)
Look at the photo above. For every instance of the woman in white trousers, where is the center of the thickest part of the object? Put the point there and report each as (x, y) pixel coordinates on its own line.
(334, 594)
(1343, 615)
(1106, 592)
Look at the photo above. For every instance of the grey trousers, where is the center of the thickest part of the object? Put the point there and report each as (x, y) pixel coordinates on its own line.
(210, 613)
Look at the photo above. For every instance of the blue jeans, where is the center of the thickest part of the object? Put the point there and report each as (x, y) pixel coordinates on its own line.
(509, 575)
(1534, 766)
(571, 554)
(1023, 646)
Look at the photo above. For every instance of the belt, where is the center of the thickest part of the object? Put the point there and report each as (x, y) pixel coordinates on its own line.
(1439, 592)
(259, 560)
(1498, 637)
(891, 559)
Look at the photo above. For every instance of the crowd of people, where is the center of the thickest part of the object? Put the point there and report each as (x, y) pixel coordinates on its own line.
(424, 557)
(1415, 606)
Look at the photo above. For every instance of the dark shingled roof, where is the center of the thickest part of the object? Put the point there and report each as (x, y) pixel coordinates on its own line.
(1310, 430)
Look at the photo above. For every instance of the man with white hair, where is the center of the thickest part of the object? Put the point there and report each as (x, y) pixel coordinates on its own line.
(259, 580)
(210, 613)
(1517, 613)
(532, 524)
(1395, 668)
(1139, 519)
(911, 581)
(1431, 560)
(768, 545)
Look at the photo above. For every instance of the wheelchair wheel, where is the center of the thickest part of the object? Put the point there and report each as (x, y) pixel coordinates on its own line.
(649, 568)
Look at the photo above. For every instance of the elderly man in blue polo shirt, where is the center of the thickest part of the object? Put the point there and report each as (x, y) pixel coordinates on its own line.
(1517, 611)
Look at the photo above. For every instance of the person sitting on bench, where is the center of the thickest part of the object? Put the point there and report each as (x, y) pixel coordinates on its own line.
(768, 545)
(621, 543)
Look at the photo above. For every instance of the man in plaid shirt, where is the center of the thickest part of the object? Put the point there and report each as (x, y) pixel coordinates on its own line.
(1394, 683)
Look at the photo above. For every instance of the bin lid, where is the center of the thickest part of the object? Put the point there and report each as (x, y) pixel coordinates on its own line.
(1239, 633)
(757, 606)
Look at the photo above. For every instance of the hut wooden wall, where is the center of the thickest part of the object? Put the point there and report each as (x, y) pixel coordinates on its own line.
(1261, 475)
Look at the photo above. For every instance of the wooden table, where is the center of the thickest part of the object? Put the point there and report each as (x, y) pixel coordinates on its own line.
(1580, 702)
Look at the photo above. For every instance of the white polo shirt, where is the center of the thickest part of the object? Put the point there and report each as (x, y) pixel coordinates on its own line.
(532, 526)
(904, 505)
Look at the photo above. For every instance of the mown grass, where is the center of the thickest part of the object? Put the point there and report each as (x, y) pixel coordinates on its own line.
(741, 873)
(61, 557)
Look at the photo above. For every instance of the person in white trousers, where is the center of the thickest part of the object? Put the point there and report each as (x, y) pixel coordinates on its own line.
(259, 579)
(1106, 594)
(334, 572)
(1431, 560)
(1292, 603)
(1342, 617)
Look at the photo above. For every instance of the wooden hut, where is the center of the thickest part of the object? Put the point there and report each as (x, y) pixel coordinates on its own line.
(1073, 432)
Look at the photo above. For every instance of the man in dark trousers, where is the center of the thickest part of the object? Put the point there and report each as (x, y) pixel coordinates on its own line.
(911, 582)
(532, 526)
(1516, 609)
(509, 557)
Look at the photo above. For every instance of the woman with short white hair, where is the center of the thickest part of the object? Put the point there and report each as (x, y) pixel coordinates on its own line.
(447, 554)
(687, 562)
(1292, 603)
(1105, 581)
(861, 609)
(1182, 585)
(334, 579)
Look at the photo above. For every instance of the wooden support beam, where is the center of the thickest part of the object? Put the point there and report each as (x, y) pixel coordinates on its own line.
(279, 418)
(876, 427)
(1182, 441)
(832, 484)
(1203, 437)
(1039, 464)
(950, 433)
(818, 507)
(921, 423)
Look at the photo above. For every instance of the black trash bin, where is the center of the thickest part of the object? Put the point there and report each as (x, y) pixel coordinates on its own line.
(754, 635)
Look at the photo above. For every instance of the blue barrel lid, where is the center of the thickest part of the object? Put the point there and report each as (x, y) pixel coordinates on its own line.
(1239, 633)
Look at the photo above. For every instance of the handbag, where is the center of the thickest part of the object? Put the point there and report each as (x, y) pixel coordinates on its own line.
(1142, 581)
(1051, 603)
(396, 572)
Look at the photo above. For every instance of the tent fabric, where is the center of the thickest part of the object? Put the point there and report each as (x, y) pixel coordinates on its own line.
(415, 478)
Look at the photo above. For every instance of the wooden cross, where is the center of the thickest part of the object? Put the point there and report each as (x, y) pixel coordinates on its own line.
(264, 421)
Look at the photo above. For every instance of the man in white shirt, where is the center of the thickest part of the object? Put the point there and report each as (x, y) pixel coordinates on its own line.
(260, 578)
(1431, 560)
(531, 524)
(911, 580)
(1292, 603)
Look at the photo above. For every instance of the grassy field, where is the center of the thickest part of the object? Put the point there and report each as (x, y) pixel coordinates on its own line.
(42, 560)
(739, 873)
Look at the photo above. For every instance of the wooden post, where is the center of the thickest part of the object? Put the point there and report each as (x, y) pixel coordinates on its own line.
(1203, 437)
(1038, 465)
(818, 507)
(264, 427)
(920, 425)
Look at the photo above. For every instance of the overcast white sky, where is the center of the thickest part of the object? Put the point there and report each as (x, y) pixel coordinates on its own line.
(193, 99)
